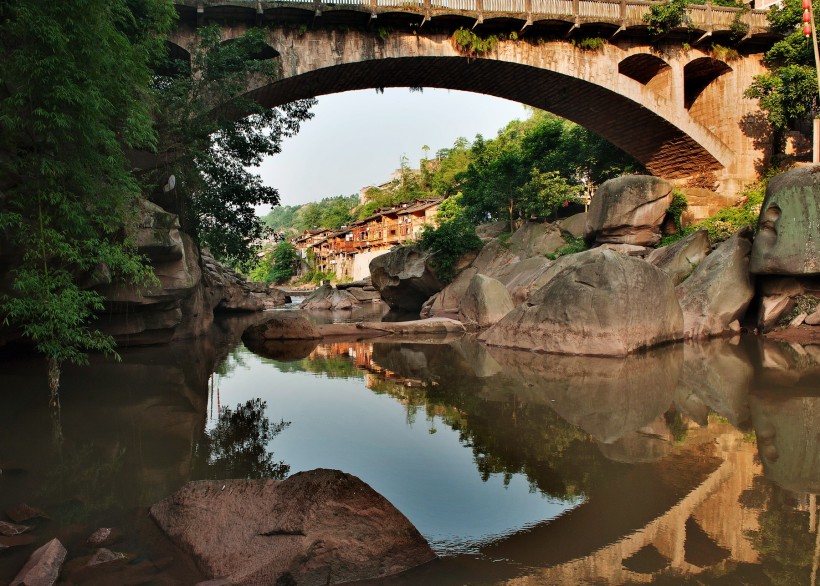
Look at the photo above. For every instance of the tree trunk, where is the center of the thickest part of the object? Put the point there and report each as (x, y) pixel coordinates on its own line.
(54, 382)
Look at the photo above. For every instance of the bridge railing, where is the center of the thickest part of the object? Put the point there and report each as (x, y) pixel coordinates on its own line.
(624, 12)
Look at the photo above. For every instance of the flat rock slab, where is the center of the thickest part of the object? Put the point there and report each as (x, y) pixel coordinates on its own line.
(433, 325)
(315, 528)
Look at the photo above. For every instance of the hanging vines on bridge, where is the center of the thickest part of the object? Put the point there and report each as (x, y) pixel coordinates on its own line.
(470, 44)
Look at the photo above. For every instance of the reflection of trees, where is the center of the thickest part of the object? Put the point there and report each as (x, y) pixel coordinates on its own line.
(237, 446)
(84, 480)
(783, 540)
(508, 438)
(335, 367)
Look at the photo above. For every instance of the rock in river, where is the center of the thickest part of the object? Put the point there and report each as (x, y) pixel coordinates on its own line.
(315, 528)
(602, 304)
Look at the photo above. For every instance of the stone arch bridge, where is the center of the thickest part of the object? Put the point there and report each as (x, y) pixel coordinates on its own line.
(675, 102)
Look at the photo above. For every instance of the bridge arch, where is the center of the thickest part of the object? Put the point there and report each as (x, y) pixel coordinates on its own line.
(640, 100)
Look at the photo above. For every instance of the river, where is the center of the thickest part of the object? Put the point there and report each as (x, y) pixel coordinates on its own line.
(687, 464)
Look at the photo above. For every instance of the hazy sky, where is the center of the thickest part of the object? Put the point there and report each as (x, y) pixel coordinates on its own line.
(357, 139)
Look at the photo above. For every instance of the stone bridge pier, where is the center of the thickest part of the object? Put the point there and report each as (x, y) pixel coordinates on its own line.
(677, 109)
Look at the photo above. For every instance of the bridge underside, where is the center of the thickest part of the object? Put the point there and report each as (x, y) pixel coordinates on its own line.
(664, 149)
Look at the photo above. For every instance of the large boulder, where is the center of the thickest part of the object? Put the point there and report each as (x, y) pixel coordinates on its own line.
(574, 225)
(226, 289)
(678, 260)
(602, 304)
(495, 257)
(448, 299)
(719, 290)
(405, 277)
(788, 236)
(171, 308)
(485, 302)
(535, 239)
(43, 567)
(315, 528)
(326, 297)
(492, 230)
(628, 210)
(523, 278)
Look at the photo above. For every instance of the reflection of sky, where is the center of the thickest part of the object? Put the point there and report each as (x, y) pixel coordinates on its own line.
(430, 477)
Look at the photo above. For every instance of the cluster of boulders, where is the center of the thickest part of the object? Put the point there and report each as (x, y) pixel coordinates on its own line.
(342, 296)
(97, 565)
(623, 294)
(190, 286)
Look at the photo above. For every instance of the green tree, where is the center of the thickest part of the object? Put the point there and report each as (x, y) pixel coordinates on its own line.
(75, 92)
(788, 92)
(449, 242)
(212, 146)
(285, 256)
(544, 193)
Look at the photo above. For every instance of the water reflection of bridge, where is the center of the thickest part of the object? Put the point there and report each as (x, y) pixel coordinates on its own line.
(697, 508)
(702, 530)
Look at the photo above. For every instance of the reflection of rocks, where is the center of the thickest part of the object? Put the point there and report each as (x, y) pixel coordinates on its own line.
(787, 367)
(597, 305)
(718, 374)
(607, 397)
(136, 420)
(647, 444)
(284, 350)
(788, 440)
(315, 528)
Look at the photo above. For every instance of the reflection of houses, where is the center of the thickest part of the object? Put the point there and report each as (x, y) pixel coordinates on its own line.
(336, 251)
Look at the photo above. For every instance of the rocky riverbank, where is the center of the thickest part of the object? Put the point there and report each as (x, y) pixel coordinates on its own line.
(623, 294)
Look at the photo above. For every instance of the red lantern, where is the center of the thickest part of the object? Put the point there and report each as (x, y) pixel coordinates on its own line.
(806, 16)
(806, 4)
(807, 29)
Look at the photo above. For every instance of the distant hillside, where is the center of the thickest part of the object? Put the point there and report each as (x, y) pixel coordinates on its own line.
(331, 213)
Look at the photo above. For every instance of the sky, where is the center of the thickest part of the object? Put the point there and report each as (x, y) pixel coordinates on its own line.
(357, 139)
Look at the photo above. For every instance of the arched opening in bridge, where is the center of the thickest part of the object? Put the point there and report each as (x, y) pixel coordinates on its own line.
(698, 75)
(178, 61)
(648, 70)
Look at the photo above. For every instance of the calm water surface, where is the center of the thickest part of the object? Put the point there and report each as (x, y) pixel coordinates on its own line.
(688, 465)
